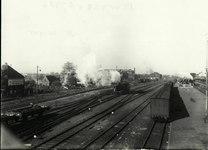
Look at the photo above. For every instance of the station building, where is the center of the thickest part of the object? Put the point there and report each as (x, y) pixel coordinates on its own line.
(12, 82)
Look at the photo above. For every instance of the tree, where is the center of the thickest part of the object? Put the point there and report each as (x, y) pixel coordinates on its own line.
(56, 84)
(72, 80)
(68, 74)
(30, 83)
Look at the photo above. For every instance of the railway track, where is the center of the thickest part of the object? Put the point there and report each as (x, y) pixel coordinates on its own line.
(154, 138)
(53, 142)
(100, 141)
(65, 107)
(28, 133)
(18, 103)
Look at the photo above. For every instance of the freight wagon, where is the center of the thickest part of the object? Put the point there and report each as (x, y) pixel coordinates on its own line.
(160, 104)
(122, 88)
(23, 114)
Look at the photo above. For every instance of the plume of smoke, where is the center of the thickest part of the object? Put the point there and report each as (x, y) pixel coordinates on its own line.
(184, 75)
(106, 78)
(115, 76)
(88, 70)
(103, 78)
(65, 79)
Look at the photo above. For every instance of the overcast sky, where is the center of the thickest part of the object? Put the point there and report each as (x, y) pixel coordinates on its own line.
(166, 36)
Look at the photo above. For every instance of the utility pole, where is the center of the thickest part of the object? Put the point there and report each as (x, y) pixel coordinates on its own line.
(206, 117)
(37, 85)
(37, 82)
(206, 97)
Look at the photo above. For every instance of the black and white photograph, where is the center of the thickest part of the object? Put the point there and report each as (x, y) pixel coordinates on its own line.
(104, 74)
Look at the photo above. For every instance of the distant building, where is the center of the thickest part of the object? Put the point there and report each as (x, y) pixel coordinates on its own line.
(130, 73)
(156, 75)
(48, 80)
(12, 82)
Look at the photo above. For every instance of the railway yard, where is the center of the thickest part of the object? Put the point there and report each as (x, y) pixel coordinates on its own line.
(130, 74)
(101, 118)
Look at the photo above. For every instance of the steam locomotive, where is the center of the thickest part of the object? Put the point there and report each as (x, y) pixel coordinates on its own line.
(122, 88)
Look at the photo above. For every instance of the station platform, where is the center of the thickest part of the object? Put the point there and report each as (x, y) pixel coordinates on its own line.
(188, 128)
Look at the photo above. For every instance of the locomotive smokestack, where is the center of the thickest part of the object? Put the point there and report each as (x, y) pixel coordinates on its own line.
(116, 67)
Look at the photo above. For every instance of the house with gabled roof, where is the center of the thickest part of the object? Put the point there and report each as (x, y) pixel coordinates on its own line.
(49, 79)
(12, 82)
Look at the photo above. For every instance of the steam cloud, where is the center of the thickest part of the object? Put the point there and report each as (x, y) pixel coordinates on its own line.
(105, 78)
(184, 75)
(88, 70)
